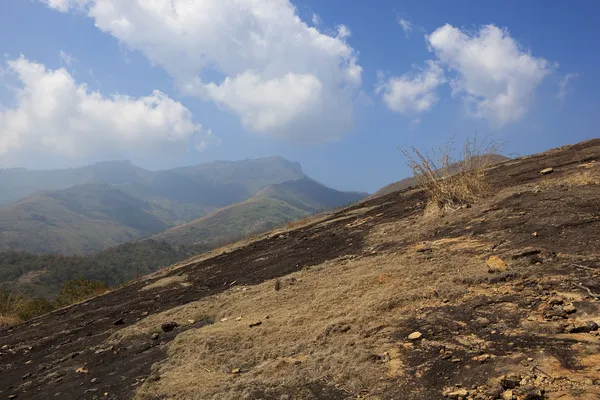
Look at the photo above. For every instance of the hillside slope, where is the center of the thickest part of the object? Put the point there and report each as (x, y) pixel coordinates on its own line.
(80, 219)
(374, 301)
(271, 207)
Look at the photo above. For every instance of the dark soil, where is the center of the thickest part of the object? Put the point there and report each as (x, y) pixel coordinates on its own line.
(40, 359)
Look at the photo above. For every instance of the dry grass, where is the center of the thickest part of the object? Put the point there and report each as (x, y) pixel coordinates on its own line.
(7, 321)
(318, 327)
(451, 182)
(587, 176)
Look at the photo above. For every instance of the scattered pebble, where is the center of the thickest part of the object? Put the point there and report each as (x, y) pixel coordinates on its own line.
(547, 171)
(169, 326)
(155, 336)
(415, 336)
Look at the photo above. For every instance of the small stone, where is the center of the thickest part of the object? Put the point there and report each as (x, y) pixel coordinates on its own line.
(238, 319)
(145, 313)
(507, 395)
(95, 380)
(169, 326)
(27, 375)
(534, 234)
(423, 248)
(593, 326)
(579, 327)
(569, 308)
(415, 336)
(81, 370)
(456, 393)
(482, 358)
(496, 264)
(12, 396)
(191, 321)
(510, 381)
(547, 171)
(530, 359)
(236, 370)
(119, 322)
(155, 336)
(224, 319)
(257, 323)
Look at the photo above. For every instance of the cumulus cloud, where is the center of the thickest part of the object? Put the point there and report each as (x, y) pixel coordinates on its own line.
(412, 93)
(54, 115)
(563, 85)
(281, 76)
(495, 77)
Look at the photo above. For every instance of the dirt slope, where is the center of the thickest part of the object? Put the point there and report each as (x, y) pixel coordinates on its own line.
(325, 311)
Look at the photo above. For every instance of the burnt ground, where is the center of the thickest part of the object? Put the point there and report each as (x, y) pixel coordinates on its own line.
(40, 358)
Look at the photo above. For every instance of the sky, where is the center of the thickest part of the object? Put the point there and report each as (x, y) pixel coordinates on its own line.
(338, 86)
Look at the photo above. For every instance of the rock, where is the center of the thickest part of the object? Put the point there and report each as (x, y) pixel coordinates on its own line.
(238, 319)
(423, 248)
(530, 393)
(482, 358)
(582, 327)
(27, 375)
(257, 323)
(510, 381)
(547, 171)
(496, 264)
(456, 393)
(555, 301)
(534, 234)
(95, 380)
(415, 336)
(155, 336)
(191, 321)
(507, 395)
(169, 326)
(236, 370)
(119, 322)
(569, 308)
(557, 312)
(12, 396)
(223, 319)
(81, 370)
(145, 313)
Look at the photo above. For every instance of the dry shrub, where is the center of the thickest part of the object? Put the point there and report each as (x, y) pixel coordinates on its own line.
(78, 290)
(451, 182)
(16, 308)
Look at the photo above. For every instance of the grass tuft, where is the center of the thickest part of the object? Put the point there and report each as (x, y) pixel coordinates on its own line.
(452, 183)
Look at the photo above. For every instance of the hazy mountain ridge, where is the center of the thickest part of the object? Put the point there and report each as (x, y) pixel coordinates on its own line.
(273, 206)
(119, 202)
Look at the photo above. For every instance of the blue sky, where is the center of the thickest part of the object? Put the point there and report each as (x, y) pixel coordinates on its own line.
(335, 85)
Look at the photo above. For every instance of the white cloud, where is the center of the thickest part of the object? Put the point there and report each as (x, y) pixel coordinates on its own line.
(412, 93)
(66, 57)
(54, 115)
(494, 75)
(405, 25)
(259, 47)
(563, 85)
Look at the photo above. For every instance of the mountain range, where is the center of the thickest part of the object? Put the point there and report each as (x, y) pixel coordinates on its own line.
(83, 210)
